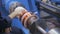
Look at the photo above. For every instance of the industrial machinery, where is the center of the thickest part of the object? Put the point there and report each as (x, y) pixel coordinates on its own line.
(53, 10)
(35, 24)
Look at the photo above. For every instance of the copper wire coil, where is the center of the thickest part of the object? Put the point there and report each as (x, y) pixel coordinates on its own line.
(25, 16)
(21, 14)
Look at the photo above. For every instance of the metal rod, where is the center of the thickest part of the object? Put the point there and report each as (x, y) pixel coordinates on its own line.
(41, 29)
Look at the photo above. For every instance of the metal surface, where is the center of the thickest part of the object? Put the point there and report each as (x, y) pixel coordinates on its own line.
(41, 29)
(53, 10)
(54, 31)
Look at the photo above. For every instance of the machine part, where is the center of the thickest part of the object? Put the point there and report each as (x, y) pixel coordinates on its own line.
(51, 22)
(41, 29)
(26, 17)
(49, 8)
(54, 31)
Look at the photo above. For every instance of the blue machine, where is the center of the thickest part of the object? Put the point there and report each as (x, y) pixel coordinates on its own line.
(28, 4)
(15, 22)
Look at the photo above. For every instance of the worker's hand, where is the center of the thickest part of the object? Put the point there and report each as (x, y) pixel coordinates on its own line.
(17, 12)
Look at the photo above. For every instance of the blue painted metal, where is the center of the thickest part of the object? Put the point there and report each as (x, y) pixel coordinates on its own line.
(8, 2)
(29, 5)
(15, 22)
(33, 7)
